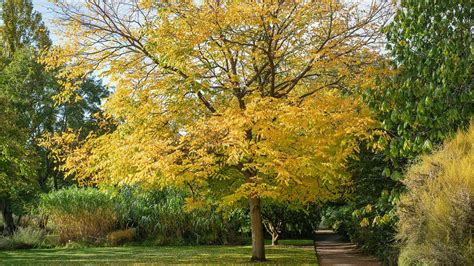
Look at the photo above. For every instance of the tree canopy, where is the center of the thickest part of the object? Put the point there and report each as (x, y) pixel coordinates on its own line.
(430, 95)
(22, 27)
(424, 98)
(29, 110)
(277, 111)
(16, 165)
(230, 99)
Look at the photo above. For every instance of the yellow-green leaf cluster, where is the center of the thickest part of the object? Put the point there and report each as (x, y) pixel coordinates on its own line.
(231, 99)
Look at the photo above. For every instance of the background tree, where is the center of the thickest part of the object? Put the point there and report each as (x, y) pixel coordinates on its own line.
(22, 27)
(236, 101)
(83, 115)
(28, 89)
(32, 89)
(15, 166)
(286, 219)
(427, 98)
(431, 94)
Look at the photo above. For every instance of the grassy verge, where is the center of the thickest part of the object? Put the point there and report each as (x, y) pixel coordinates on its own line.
(282, 254)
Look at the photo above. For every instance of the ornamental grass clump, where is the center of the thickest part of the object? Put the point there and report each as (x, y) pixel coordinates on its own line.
(437, 214)
(79, 214)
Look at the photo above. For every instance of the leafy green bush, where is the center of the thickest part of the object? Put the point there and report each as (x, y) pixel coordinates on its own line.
(159, 215)
(85, 214)
(367, 215)
(436, 215)
(289, 220)
(89, 215)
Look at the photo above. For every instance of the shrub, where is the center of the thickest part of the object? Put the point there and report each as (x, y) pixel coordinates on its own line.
(85, 214)
(159, 215)
(121, 236)
(371, 226)
(29, 236)
(436, 215)
(290, 220)
(365, 213)
(88, 216)
(24, 237)
(147, 209)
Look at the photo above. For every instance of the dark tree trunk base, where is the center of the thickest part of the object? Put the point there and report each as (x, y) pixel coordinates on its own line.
(258, 245)
(258, 260)
(9, 224)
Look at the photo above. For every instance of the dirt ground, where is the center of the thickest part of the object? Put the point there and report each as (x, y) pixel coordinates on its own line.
(333, 249)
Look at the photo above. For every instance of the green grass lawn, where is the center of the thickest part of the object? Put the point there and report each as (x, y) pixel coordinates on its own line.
(289, 252)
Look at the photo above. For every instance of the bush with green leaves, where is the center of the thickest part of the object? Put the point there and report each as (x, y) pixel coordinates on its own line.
(90, 215)
(160, 216)
(24, 237)
(437, 214)
(85, 214)
(367, 226)
(367, 215)
(290, 220)
(427, 97)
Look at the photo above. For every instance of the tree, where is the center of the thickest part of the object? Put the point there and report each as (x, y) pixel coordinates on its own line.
(32, 89)
(280, 218)
(28, 90)
(81, 114)
(427, 97)
(430, 95)
(232, 100)
(15, 165)
(22, 27)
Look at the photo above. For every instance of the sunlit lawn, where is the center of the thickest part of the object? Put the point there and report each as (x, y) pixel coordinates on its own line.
(289, 252)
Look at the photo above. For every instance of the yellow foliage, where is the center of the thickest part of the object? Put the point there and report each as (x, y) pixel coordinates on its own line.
(236, 99)
(365, 222)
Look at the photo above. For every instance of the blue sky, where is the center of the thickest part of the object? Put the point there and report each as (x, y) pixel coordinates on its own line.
(44, 7)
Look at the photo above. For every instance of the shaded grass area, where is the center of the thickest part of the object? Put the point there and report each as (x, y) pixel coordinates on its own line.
(282, 254)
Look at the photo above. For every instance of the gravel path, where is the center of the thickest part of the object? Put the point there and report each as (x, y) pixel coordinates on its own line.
(333, 249)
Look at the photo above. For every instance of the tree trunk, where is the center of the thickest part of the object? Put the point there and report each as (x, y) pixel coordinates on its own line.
(275, 236)
(272, 230)
(9, 224)
(258, 245)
